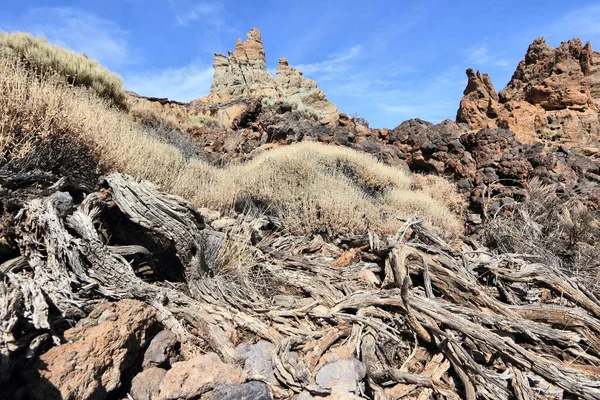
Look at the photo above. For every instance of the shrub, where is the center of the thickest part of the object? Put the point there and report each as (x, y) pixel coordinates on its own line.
(562, 232)
(359, 120)
(43, 57)
(165, 128)
(312, 187)
(295, 103)
(204, 121)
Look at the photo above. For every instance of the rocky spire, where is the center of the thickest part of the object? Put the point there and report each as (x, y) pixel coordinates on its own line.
(252, 50)
(243, 75)
(479, 106)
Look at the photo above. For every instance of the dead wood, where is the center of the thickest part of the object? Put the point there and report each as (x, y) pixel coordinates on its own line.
(426, 319)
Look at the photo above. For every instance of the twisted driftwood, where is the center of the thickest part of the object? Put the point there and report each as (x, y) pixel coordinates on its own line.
(425, 318)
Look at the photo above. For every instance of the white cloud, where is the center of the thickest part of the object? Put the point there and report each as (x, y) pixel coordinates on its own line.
(579, 22)
(386, 93)
(481, 56)
(80, 31)
(183, 84)
(582, 21)
(207, 13)
(334, 65)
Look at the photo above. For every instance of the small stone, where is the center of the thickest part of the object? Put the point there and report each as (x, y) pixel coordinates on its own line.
(282, 300)
(474, 218)
(257, 360)
(209, 215)
(248, 391)
(340, 396)
(304, 396)
(343, 375)
(161, 349)
(369, 277)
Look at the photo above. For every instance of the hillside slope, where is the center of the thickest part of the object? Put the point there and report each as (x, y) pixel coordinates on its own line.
(283, 257)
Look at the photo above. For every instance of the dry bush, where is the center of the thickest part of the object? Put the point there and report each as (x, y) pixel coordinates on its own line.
(359, 119)
(203, 121)
(312, 187)
(321, 188)
(562, 232)
(295, 103)
(165, 128)
(75, 68)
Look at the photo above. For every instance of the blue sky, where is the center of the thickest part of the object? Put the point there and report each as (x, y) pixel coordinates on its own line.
(386, 60)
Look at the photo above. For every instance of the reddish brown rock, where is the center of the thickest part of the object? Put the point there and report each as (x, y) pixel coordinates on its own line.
(553, 96)
(100, 348)
(146, 384)
(192, 378)
(479, 106)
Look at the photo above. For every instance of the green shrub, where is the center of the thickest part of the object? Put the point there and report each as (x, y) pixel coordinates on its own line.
(76, 69)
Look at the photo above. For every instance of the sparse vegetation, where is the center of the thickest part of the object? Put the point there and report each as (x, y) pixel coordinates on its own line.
(44, 58)
(204, 121)
(359, 120)
(165, 128)
(312, 187)
(296, 104)
(562, 232)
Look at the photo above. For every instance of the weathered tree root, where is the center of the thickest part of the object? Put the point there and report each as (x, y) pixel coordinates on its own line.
(424, 318)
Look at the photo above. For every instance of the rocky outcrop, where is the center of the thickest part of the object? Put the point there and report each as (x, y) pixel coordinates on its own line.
(553, 96)
(479, 107)
(293, 86)
(490, 166)
(242, 75)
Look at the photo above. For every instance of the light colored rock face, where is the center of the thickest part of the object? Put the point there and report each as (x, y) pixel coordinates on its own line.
(242, 75)
(554, 95)
(291, 84)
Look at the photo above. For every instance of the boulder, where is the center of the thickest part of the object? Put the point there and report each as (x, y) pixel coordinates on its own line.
(162, 350)
(100, 349)
(342, 376)
(257, 360)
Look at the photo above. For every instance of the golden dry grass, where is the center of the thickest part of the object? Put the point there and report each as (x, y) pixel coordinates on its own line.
(313, 187)
(76, 69)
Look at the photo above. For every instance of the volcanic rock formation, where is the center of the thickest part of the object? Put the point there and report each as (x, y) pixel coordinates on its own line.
(242, 76)
(553, 96)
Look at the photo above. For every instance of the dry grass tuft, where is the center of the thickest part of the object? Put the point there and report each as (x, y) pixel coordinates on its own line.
(311, 187)
(326, 189)
(561, 232)
(75, 68)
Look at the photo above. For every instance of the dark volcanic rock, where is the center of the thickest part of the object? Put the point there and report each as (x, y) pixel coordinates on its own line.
(246, 391)
(486, 165)
(162, 350)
